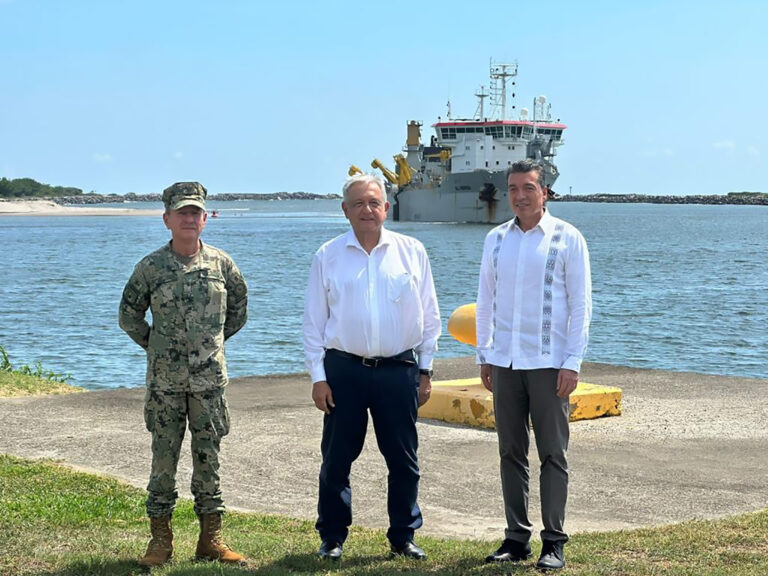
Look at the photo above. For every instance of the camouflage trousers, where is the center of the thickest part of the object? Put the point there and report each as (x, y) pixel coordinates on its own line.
(166, 415)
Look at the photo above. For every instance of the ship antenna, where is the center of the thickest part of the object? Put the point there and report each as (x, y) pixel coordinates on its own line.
(448, 105)
(481, 95)
(500, 73)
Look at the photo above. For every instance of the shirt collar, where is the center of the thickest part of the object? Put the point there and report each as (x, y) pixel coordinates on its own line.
(384, 239)
(547, 222)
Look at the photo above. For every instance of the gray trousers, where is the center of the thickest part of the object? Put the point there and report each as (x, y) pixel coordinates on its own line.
(516, 395)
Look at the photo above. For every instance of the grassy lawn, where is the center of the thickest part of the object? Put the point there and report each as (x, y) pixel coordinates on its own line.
(57, 521)
(31, 380)
(18, 384)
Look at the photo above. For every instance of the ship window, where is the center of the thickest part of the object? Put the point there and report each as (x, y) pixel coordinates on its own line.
(467, 162)
(495, 131)
(466, 147)
(494, 147)
(481, 147)
(460, 130)
(497, 162)
(486, 164)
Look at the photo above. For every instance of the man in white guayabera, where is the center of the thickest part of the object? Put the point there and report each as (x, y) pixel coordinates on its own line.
(534, 305)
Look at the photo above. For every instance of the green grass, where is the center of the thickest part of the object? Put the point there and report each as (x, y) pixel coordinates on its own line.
(18, 384)
(57, 521)
(31, 380)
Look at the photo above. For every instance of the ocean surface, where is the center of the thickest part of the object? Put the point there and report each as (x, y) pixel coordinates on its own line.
(681, 287)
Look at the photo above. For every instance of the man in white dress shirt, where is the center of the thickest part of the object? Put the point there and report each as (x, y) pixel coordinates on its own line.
(371, 325)
(534, 305)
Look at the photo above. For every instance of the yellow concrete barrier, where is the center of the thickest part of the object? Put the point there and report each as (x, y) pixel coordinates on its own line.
(466, 401)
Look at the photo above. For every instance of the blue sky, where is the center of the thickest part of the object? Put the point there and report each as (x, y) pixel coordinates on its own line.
(659, 97)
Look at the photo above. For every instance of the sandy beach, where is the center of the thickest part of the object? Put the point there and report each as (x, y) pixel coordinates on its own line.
(49, 208)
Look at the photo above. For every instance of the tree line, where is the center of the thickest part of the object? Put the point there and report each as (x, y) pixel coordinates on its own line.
(27, 187)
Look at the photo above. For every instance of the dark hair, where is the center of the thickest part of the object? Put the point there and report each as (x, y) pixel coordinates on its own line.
(525, 166)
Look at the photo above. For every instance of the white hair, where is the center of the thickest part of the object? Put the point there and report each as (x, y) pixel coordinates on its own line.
(365, 179)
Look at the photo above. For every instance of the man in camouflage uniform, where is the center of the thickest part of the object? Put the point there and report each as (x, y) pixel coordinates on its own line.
(198, 299)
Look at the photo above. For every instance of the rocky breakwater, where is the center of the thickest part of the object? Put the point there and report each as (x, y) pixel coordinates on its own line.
(737, 198)
(131, 197)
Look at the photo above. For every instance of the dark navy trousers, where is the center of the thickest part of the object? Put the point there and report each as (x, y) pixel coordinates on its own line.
(391, 393)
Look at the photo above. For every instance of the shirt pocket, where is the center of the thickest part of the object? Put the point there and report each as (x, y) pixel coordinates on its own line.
(400, 287)
(164, 301)
(209, 292)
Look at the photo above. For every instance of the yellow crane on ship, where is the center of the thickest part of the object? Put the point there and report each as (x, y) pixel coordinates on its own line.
(401, 178)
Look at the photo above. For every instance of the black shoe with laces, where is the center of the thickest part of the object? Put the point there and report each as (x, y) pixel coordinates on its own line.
(552, 557)
(510, 551)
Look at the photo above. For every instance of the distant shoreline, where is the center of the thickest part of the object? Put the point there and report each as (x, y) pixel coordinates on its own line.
(751, 199)
(92, 204)
(733, 198)
(130, 197)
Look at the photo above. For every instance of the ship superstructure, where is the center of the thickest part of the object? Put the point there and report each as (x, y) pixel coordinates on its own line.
(461, 175)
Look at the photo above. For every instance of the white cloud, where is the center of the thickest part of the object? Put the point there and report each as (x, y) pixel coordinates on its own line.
(753, 151)
(724, 145)
(101, 158)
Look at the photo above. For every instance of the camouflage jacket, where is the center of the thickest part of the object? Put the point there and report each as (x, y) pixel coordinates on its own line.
(195, 307)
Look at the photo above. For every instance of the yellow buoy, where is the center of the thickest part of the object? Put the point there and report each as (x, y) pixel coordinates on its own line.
(461, 324)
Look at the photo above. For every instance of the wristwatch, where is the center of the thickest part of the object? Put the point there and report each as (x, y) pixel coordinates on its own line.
(425, 372)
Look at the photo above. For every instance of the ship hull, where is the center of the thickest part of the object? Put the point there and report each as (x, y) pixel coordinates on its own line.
(473, 197)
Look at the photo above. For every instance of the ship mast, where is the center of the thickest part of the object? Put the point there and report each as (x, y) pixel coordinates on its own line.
(500, 73)
(481, 95)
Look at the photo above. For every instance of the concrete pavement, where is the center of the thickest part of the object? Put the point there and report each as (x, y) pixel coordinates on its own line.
(686, 446)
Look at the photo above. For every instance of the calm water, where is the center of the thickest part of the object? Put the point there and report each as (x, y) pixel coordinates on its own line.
(675, 287)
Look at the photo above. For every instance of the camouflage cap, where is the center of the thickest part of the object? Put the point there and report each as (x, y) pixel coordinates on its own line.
(182, 194)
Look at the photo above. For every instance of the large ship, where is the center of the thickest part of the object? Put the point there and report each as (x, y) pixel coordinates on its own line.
(461, 175)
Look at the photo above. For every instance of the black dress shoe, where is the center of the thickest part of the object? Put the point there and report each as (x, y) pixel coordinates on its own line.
(329, 551)
(552, 557)
(408, 550)
(510, 551)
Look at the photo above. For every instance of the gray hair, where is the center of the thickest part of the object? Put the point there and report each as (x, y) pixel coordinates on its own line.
(365, 179)
(525, 166)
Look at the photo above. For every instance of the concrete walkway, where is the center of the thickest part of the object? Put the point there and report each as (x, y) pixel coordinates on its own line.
(687, 446)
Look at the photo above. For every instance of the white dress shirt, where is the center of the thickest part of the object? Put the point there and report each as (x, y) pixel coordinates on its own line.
(534, 300)
(377, 304)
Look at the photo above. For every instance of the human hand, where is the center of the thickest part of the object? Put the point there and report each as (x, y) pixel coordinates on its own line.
(425, 389)
(485, 376)
(567, 380)
(323, 396)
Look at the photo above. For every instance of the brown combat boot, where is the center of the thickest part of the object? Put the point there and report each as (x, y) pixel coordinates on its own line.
(160, 548)
(211, 546)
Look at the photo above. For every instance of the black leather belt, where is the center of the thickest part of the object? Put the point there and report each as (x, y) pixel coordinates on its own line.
(406, 357)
